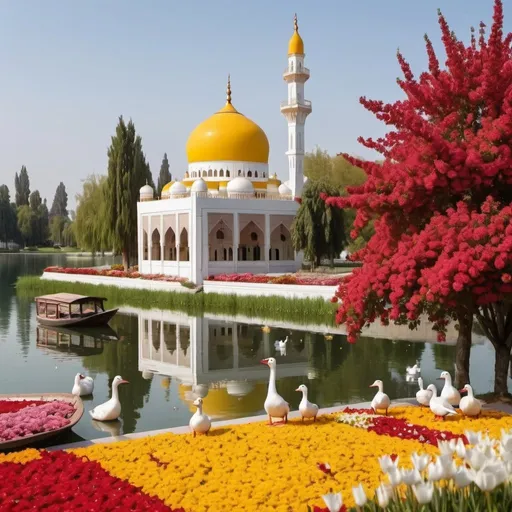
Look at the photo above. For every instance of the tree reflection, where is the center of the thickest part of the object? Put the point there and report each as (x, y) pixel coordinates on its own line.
(121, 358)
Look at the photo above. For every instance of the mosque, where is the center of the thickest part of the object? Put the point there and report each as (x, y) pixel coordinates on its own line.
(230, 214)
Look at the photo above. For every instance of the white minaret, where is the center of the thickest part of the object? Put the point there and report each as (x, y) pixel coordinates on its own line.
(296, 109)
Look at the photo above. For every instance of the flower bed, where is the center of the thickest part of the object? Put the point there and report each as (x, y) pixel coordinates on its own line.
(247, 467)
(298, 279)
(131, 274)
(24, 418)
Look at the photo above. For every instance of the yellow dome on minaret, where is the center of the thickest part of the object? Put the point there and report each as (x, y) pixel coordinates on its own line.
(296, 44)
(228, 136)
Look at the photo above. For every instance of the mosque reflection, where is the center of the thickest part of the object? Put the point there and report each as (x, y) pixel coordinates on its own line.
(74, 342)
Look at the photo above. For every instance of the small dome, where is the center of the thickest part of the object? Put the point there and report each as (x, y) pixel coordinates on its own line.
(296, 44)
(199, 186)
(146, 193)
(284, 190)
(240, 185)
(177, 189)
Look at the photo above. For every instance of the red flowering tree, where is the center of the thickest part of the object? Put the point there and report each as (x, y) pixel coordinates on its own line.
(441, 200)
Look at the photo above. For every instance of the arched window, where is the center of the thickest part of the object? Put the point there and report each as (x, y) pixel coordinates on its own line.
(209, 173)
(204, 174)
(254, 236)
(283, 238)
(300, 66)
(215, 173)
(255, 174)
(220, 235)
(264, 174)
(249, 174)
(239, 172)
(221, 173)
(227, 174)
(291, 65)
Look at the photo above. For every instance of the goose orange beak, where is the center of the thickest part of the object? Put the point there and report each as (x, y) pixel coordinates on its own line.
(124, 382)
(264, 361)
(462, 390)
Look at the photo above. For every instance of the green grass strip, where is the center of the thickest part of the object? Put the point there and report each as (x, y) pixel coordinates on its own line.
(303, 311)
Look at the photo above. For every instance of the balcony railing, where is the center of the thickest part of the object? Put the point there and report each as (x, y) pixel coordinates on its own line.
(257, 195)
(303, 71)
(294, 102)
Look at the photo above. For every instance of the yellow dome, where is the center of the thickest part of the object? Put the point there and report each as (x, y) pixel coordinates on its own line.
(166, 187)
(228, 135)
(296, 44)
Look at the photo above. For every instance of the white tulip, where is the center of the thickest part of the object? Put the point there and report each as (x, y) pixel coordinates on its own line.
(460, 448)
(395, 477)
(473, 437)
(509, 468)
(434, 472)
(462, 477)
(387, 463)
(506, 440)
(485, 481)
(359, 496)
(506, 455)
(411, 477)
(384, 494)
(423, 492)
(447, 447)
(447, 466)
(477, 459)
(487, 448)
(498, 469)
(333, 501)
(420, 462)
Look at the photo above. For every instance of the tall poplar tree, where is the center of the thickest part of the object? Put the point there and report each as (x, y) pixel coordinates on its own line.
(164, 177)
(60, 202)
(22, 187)
(128, 171)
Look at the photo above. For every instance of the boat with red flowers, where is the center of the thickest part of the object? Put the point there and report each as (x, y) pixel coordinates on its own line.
(70, 310)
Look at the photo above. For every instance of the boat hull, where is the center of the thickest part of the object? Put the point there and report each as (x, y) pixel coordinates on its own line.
(75, 401)
(94, 320)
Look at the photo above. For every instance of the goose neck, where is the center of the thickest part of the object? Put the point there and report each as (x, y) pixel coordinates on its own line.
(115, 392)
(272, 381)
(470, 391)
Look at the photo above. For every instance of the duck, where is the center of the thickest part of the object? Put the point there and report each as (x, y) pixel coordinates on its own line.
(200, 423)
(380, 401)
(423, 395)
(280, 344)
(439, 405)
(275, 405)
(110, 410)
(83, 385)
(449, 391)
(307, 409)
(413, 371)
(469, 405)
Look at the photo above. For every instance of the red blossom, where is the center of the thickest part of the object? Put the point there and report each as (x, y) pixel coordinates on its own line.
(324, 468)
(440, 201)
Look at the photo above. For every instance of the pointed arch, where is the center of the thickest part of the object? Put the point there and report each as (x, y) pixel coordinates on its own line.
(184, 252)
(170, 245)
(281, 247)
(144, 244)
(155, 245)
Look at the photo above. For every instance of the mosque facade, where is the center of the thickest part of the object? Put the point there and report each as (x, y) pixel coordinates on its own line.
(229, 213)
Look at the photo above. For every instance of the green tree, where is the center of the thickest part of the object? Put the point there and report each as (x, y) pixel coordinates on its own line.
(318, 229)
(60, 202)
(8, 227)
(164, 177)
(22, 187)
(68, 234)
(91, 231)
(128, 171)
(25, 224)
(57, 225)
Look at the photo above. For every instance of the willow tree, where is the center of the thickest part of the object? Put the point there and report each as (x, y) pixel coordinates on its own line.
(318, 228)
(92, 233)
(128, 171)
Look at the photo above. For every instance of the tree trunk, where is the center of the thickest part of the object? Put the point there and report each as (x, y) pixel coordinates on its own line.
(126, 260)
(501, 369)
(463, 348)
(318, 261)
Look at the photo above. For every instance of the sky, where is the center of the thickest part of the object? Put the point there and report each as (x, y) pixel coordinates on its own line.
(69, 69)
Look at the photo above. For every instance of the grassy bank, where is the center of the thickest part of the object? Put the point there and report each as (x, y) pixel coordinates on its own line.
(52, 250)
(278, 308)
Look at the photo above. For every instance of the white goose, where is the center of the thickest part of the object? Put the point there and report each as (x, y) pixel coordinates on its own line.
(275, 405)
(449, 391)
(281, 344)
(110, 410)
(380, 401)
(83, 385)
(440, 405)
(413, 371)
(200, 423)
(470, 405)
(307, 409)
(423, 395)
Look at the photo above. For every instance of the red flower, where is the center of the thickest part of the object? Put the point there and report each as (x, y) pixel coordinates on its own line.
(324, 467)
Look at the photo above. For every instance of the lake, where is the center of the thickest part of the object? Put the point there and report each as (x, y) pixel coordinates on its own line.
(170, 358)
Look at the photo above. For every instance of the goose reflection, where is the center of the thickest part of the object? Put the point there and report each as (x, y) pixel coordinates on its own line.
(112, 427)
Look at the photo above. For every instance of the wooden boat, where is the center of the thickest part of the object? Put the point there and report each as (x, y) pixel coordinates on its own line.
(75, 401)
(70, 310)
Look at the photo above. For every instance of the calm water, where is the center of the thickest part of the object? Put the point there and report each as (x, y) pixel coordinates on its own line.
(170, 358)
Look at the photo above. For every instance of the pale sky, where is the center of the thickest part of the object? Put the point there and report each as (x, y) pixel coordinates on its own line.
(70, 68)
